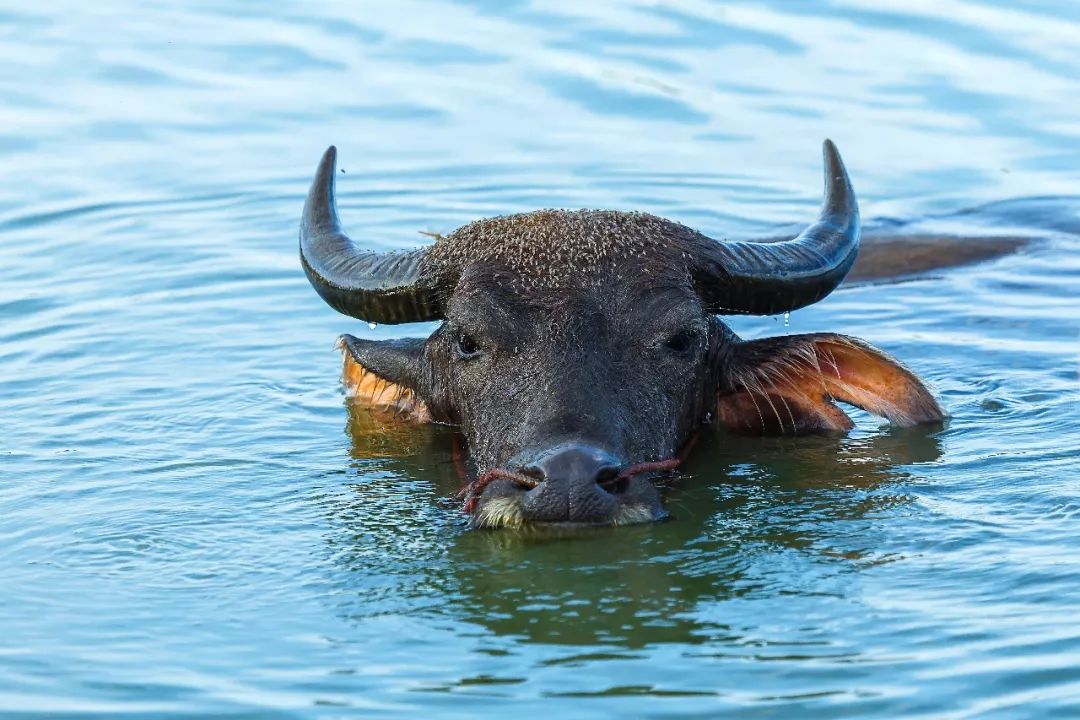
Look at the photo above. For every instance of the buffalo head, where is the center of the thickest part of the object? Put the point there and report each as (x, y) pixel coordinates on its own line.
(580, 350)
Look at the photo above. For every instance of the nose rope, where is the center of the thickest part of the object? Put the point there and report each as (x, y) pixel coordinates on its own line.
(472, 491)
(651, 466)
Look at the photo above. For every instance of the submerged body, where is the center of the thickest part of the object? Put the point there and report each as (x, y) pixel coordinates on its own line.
(581, 350)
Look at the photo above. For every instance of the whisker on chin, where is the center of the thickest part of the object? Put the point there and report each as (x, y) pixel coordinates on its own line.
(501, 512)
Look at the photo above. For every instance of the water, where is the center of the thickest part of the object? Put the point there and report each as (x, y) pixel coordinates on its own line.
(195, 525)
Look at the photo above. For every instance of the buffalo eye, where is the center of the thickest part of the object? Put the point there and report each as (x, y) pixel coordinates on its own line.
(681, 343)
(466, 346)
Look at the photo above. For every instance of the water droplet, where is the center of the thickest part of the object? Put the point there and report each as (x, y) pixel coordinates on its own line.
(787, 319)
(373, 325)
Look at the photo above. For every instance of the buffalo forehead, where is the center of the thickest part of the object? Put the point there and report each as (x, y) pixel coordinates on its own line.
(557, 248)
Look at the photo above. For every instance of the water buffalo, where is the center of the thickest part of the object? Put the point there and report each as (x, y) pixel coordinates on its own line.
(580, 351)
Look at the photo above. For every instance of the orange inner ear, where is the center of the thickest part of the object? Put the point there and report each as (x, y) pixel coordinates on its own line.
(788, 385)
(364, 387)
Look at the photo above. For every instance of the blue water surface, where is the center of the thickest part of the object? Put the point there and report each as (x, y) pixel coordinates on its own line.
(195, 524)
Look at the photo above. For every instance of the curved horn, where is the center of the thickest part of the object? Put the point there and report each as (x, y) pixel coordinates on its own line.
(377, 287)
(767, 278)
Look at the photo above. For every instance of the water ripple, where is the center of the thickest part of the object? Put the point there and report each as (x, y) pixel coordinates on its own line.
(196, 525)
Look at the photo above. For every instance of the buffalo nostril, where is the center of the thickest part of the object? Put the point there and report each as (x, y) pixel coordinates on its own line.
(573, 482)
(608, 478)
(606, 474)
(525, 478)
(532, 474)
(574, 464)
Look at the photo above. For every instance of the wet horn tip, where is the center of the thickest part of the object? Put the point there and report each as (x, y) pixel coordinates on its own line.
(324, 176)
(320, 213)
(329, 158)
(839, 195)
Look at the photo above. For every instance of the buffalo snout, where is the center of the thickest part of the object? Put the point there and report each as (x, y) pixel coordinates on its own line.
(575, 483)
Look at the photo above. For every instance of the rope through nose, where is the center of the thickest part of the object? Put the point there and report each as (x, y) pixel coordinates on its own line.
(472, 491)
(659, 465)
(651, 466)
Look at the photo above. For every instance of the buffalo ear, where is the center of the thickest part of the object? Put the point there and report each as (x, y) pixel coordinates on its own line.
(386, 375)
(787, 385)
